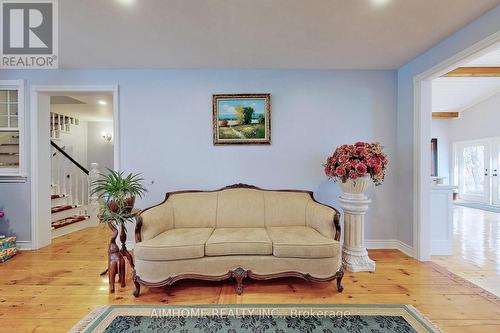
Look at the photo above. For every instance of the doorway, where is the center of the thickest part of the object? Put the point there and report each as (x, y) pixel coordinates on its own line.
(464, 226)
(49, 124)
(476, 170)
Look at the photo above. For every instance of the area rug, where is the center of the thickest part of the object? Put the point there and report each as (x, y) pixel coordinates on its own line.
(332, 318)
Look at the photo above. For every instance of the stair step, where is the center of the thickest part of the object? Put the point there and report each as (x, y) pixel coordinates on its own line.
(64, 211)
(67, 221)
(58, 209)
(58, 200)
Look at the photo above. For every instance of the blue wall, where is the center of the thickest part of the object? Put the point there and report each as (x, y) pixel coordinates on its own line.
(166, 131)
(478, 30)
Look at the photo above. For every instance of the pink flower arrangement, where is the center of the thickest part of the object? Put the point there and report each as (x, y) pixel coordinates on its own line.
(357, 160)
(2, 214)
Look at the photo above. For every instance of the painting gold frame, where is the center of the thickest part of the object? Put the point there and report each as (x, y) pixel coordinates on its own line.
(229, 131)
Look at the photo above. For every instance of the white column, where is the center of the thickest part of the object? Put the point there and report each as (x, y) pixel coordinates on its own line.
(354, 255)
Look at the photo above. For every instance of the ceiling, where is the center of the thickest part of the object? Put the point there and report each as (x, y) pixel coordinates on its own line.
(356, 34)
(83, 105)
(460, 93)
(490, 59)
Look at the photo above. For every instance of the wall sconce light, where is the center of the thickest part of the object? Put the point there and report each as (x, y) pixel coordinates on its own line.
(107, 136)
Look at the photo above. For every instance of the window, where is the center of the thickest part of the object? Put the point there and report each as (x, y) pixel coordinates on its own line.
(11, 130)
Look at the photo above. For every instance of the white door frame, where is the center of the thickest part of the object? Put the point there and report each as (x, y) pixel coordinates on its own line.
(495, 172)
(422, 95)
(38, 194)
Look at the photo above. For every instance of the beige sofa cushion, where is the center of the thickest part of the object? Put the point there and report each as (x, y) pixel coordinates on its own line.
(157, 220)
(301, 242)
(231, 241)
(285, 208)
(240, 208)
(175, 244)
(194, 210)
(321, 217)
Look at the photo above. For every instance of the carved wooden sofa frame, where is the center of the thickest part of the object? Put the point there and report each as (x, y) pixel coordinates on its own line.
(239, 274)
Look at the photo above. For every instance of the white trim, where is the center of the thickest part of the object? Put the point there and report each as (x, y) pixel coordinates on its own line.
(36, 192)
(421, 188)
(12, 179)
(24, 245)
(393, 244)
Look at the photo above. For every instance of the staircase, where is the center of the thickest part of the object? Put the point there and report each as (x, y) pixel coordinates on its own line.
(61, 124)
(72, 208)
(9, 151)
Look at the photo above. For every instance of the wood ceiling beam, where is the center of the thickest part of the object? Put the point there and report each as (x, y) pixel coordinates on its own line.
(450, 115)
(474, 72)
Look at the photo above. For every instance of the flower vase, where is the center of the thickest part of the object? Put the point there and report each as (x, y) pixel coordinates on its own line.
(355, 204)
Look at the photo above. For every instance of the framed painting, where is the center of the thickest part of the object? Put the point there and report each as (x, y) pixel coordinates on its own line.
(242, 119)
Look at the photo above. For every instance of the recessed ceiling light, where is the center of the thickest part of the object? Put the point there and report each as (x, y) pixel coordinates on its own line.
(102, 102)
(126, 2)
(380, 3)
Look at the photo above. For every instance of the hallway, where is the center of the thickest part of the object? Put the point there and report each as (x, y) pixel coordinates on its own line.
(476, 248)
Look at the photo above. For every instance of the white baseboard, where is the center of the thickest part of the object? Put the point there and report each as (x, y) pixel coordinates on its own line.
(392, 244)
(24, 245)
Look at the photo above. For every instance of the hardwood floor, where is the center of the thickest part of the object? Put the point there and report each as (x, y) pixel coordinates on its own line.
(51, 289)
(476, 248)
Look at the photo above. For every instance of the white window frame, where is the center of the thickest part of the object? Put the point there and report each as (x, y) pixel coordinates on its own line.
(9, 175)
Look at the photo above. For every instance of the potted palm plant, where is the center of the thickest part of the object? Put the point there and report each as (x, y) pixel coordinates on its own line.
(118, 192)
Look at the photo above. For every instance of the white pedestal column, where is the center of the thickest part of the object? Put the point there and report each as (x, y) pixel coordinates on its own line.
(354, 255)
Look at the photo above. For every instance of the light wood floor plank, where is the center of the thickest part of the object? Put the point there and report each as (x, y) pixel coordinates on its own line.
(51, 289)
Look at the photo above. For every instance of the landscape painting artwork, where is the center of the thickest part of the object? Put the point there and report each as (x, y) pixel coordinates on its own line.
(242, 119)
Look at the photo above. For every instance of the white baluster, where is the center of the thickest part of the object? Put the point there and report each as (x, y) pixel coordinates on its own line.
(52, 168)
(93, 201)
(59, 164)
(52, 125)
(84, 197)
(63, 178)
(74, 177)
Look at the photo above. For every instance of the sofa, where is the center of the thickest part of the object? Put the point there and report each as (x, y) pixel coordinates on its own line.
(239, 232)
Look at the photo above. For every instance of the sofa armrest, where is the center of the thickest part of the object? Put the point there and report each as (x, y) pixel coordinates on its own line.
(153, 221)
(323, 218)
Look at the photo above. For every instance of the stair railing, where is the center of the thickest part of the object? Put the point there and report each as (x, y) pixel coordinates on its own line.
(72, 179)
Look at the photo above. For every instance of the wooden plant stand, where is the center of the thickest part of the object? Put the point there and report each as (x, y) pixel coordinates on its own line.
(117, 256)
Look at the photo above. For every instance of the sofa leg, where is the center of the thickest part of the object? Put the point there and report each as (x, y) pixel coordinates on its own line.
(239, 274)
(239, 286)
(340, 288)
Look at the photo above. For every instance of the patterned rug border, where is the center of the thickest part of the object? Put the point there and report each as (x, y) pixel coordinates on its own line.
(92, 320)
(457, 278)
